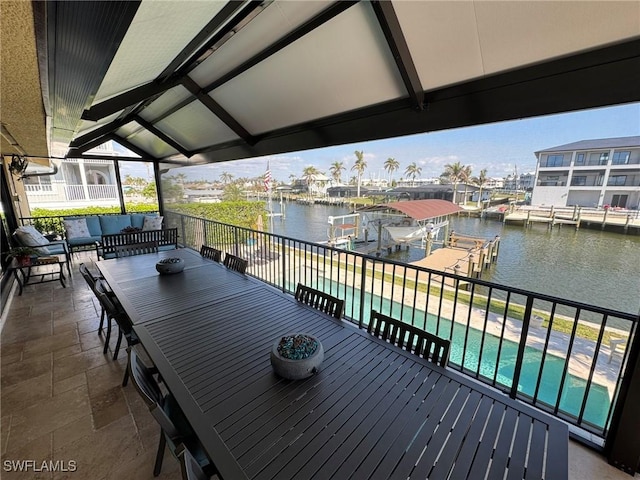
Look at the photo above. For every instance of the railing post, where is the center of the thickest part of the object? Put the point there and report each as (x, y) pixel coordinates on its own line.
(236, 250)
(284, 265)
(521, 345)
(205, 240)
(182, 230)
(363, 281)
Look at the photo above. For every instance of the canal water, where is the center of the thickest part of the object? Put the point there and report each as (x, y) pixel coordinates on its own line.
(590, 266)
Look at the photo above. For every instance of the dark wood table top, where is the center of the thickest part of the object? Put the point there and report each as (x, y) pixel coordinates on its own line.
(372, 411)
(146, 295)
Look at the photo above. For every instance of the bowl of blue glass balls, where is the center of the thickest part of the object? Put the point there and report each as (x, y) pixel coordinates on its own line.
(297, 356)
(170, 265)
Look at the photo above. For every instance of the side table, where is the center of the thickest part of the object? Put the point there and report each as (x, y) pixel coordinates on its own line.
(26, 271)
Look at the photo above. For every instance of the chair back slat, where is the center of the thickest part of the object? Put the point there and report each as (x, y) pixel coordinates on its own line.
(211, 253)
(410, 338)
(191, 469)
(136, 249)
(319, 300)
(235, 263)
(88, 277)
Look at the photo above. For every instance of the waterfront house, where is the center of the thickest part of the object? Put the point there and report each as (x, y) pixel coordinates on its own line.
(589, 173)
(182, 84)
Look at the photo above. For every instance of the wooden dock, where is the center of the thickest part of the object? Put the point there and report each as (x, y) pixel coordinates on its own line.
(463, 255)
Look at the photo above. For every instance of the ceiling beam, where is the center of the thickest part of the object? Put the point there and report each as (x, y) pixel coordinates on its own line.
(79, 151)
(218, 111)
(162, 136)
(392, 30)
(124, 100)
(98, 132)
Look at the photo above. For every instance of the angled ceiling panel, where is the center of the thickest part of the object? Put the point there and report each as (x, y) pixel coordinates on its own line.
(277, 19)
(129, 129)
(165, 102)
(342, 65)
(150, 143)
(443, 40)
(159, 31)
(513, 34)
(194, 127)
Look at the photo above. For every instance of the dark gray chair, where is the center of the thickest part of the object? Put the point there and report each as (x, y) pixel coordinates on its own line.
(175, 428)
(91, 278)
(189, 466)
(211, 253)
(320, 301)
(115, 312)
(235, 263)
(410, 338)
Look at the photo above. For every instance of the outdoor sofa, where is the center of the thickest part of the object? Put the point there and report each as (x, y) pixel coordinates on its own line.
(90, 231)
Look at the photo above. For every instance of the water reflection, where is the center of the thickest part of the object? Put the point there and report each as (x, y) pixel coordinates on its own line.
(590, 266)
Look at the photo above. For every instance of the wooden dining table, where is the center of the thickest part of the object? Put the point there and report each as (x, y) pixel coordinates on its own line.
(373, 411)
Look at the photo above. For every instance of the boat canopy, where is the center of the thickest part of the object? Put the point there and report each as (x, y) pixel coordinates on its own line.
(420, 210)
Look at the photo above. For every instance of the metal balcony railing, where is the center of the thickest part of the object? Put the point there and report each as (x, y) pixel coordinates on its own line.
(563, 357)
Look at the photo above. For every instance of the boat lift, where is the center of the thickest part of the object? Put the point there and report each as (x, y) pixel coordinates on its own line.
(343, 230)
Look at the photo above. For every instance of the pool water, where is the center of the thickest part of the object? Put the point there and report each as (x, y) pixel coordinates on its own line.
(502, 367)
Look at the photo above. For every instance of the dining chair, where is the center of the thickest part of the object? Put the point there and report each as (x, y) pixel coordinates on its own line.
(174, 427)
(410, 338)
(319, 300)
(91, 280)
(131, 249)
(125, 327)
(189, 466)
(211, 253)
(235, 263)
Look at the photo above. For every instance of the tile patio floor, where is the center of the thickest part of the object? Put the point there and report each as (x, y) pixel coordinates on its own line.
(62, 400)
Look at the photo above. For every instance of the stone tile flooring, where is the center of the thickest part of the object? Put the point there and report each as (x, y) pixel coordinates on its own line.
(62, 400)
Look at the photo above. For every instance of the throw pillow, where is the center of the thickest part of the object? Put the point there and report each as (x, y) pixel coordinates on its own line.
(152, 223)
(30, 237)
(76, 228)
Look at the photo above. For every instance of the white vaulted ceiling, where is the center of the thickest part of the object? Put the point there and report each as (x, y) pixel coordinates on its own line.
(194, 82)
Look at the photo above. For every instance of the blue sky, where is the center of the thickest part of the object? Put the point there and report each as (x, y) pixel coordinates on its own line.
(499, 147)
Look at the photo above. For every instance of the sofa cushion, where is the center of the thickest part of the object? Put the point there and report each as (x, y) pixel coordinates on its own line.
(93, 224)
(76, 228)
(152, 223)
(81, 241)
(28, 236)
(114, 223)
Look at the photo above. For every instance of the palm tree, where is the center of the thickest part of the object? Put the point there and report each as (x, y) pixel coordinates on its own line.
(465, 177)
(226, 177)
(391, 165)
(452, 171)
(359, 167)
(309, 174)
(481, 181)
(336, 171)
(413, 171)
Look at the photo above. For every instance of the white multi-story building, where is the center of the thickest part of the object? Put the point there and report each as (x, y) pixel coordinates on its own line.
(524, 181)
(77, 183)
(590, 173)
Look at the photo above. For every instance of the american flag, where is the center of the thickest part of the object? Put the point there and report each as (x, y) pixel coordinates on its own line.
(267, 179)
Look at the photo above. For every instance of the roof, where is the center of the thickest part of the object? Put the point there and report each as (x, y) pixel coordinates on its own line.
(596, 144)
(425, 209)
(192, 82)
